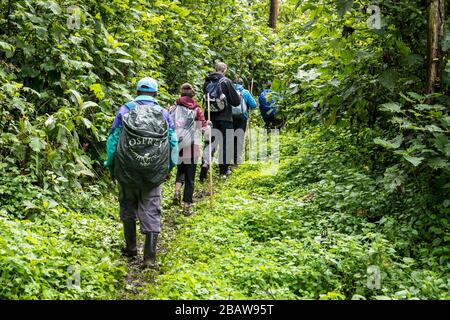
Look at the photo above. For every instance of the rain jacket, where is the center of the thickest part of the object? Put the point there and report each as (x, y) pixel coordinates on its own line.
(116, 130)
(246, 95)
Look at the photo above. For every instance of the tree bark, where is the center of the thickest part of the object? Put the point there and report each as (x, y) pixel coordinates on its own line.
(436, 23)
(273, 14)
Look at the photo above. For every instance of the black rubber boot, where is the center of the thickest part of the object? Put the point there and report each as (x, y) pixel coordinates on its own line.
(150, 249)
(129, 231)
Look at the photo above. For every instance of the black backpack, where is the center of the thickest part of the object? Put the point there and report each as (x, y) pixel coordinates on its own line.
(217, 98)
(143, 153)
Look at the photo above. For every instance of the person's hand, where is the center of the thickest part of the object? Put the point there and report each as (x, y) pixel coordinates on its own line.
(209, 123)
(207, 133)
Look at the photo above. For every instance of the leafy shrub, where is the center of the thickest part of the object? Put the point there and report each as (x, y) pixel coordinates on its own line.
(42, 259)
(313, 235)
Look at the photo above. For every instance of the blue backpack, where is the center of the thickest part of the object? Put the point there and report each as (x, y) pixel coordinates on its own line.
(267, 107)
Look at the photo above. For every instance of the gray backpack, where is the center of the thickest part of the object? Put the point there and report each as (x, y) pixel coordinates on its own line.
(143, 153)
(240, 110)
(184, 120)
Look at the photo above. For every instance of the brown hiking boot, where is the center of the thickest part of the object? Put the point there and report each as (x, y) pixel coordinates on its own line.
(188, 209)
(176, 198)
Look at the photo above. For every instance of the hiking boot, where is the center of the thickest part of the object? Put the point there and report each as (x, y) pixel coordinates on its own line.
(225, 175)
(203, 173)
(129, 231)
(150, 250)
(177, 198)
(188, 209)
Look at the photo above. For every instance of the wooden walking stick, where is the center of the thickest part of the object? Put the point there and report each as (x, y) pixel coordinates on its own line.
(210, 157)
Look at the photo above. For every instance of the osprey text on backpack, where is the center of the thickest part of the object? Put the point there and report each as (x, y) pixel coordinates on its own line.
(143, 153)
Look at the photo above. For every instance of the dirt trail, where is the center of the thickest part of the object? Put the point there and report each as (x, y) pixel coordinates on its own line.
(137, 278)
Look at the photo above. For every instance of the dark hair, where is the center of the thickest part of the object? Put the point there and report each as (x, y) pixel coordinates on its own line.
(268, 84)
(187, 90)
(239, 80)
(144, 93)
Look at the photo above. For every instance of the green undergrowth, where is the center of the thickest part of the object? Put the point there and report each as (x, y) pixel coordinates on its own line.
(59, 253)
(312, 227)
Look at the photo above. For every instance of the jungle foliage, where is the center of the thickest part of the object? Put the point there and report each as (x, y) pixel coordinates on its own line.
(377, 154)
(320, 224)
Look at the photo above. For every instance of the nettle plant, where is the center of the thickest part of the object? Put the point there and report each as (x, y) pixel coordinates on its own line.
(420, 139)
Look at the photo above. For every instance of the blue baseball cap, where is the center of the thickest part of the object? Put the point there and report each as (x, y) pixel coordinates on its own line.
(147, 85)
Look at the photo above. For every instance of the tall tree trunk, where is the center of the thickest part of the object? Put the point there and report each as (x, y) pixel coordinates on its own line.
(435, 35)
(273, 14)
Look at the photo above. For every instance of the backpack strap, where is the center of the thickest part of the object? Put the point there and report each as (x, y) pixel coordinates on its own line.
(222, 80)
(133, 104)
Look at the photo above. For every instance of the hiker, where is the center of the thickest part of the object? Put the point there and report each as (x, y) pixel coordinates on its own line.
(223, 97)
(268, 107)
(188, 118)
(141, 150)
(240, 118)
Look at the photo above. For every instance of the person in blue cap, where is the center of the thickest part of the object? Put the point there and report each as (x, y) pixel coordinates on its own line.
(138, 202)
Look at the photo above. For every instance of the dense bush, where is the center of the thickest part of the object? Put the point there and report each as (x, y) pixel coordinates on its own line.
(309, 230)
(364, 173)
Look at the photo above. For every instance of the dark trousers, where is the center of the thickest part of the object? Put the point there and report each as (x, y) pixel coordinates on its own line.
(239, 138)
(271, 122)
(186, 175)
(224, 163)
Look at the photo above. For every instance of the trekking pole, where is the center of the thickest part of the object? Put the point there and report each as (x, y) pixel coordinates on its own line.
(210, 157)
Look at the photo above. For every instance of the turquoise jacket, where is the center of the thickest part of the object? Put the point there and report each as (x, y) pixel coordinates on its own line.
(116, 130)
(246, 95)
